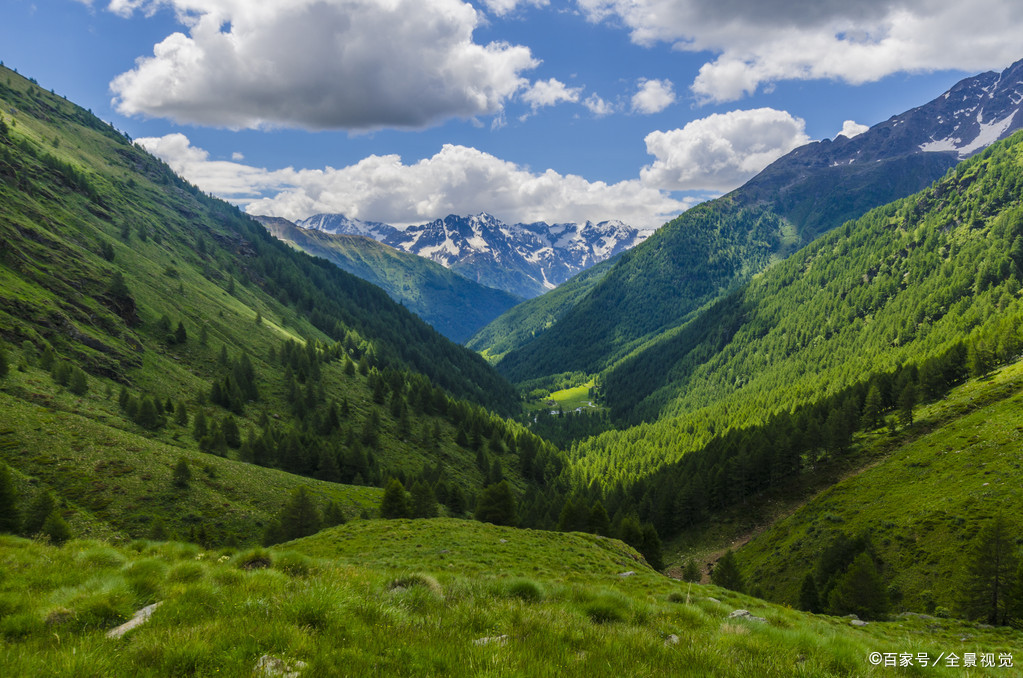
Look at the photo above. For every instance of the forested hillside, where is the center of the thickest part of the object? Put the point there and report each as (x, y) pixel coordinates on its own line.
(851, 333)
(158, 347)
(535, 316)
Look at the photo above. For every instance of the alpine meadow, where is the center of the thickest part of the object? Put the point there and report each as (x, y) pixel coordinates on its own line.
(763, 417)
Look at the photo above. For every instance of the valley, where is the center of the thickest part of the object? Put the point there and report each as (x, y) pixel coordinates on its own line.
(800, 408)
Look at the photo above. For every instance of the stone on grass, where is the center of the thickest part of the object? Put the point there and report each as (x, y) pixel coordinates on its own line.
(630, 573)
(857, 622)
(744, 614)
(141, 617)
(491, 640)
(671, 640)
(269, 666)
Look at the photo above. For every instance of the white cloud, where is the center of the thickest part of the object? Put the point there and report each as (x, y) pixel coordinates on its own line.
(758, 42)
(503, 7)
(851, 128)
(599, 107)
(236, 156)
(549, 93)
(457, 179)
(320, 64)
(721, 151)
(653, 96)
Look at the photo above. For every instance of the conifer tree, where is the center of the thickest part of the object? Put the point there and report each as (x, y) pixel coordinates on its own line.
(907, 401)
(496, 505)
(600, 523)
(4, 369)
(199, 427)
(424, 502)
(394, 504)
(726, 573)
(809, 601)
(10, 515)
(182, 474)
(990, 573)
(56, 528)
(300, 517)
(41, 507)
(690, 571)
(860, 591)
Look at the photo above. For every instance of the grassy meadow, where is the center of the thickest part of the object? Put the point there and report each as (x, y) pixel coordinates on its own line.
(421, 598)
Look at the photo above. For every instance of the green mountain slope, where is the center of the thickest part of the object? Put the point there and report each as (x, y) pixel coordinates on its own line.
(850, 334)
(462, 612)
(949, 475)
(906, 281)
(532, 317)
(455, 306)
(139, 314)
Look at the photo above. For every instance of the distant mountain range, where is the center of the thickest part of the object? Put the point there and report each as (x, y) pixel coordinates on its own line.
(454, 306)
(523, 259)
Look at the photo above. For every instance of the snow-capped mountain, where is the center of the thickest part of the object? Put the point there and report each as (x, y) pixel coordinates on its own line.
(339, 223)
(822, 184)
(524, 259)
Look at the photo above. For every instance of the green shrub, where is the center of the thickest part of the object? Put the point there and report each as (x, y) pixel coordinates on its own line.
(417, 579)
(293, 563)
(607, 608)
(145, 578)
(525, 589)
(253, 559)
(185, 572)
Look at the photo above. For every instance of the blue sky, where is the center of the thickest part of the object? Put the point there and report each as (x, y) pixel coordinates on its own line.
(407, 110)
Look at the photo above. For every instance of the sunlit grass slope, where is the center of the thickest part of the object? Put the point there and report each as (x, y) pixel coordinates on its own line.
(396, 614)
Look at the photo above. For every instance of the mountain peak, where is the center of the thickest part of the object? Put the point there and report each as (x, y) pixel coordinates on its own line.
(524, 259)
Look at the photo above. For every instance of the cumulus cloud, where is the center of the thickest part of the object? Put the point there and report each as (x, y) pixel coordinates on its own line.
(503, 7)
(598, 106)
(758, 42)
(549, 93)
(457, 179)
(721, 151)
(653, 96)
(320, 64)
(851, 128)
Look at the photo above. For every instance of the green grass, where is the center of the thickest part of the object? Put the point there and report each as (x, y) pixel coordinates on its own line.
(345, 617)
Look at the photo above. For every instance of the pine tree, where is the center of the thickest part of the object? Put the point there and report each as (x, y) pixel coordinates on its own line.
(182, 474)
(181, 417)
(690, 571)
(600, 523)
(809, 601)
(872, 406)
(333, 514)
(56, 528)
(10, 516)
(4, 369)
(424, 502)
(232, 436)
(907, 401)
(79, 382)
(860, 591)
(496, 505)
(650, 547)
(300, 517)
(41, 507)
(394, 503)
(726, 573)
(990, 573)
(199, 427)
(180, 335)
